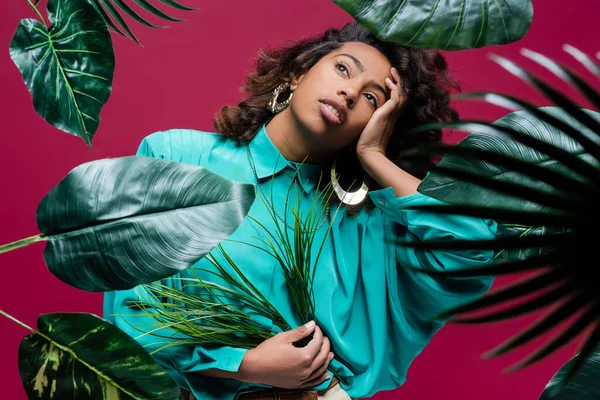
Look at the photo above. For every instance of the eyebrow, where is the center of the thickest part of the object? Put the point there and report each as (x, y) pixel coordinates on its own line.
(361, 68)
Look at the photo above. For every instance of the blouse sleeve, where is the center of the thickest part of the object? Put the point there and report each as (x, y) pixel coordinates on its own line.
(182, 362)
(420, 296)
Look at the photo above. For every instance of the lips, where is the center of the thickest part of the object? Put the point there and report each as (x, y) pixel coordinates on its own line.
(338, 106)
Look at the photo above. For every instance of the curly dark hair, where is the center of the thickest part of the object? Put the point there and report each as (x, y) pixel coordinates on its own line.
(426, 83)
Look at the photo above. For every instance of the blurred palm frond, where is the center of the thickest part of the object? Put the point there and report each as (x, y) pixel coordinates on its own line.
(119, 25)
(536, 172)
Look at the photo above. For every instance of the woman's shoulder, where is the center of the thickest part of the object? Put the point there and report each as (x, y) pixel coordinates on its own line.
(181, 144)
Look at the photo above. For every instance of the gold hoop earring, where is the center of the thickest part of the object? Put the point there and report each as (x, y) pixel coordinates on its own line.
(349, 198)
(273, 105)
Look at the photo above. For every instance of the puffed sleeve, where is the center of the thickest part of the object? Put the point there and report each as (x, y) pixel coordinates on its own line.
(422, 296)
(182, 362)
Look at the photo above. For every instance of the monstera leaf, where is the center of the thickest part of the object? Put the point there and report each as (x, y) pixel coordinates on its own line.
(69, 67)
(446, 25)
(81, 356)
(583, 385)
(112, 224)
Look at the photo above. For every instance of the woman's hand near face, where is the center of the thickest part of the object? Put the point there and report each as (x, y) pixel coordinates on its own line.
(277, 362)
(376, 134)
(374, 139)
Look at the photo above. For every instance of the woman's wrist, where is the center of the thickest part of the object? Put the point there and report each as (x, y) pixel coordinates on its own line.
(245, 372)
(388, 174)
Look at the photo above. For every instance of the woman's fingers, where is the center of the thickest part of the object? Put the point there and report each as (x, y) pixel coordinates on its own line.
(317, 381)
(320, 359)
(394, 86)
(396, 75)
(314, 346)
(322, 368)
(390, 83)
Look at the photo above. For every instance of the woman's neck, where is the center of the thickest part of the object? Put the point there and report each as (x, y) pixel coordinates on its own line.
(292, 142)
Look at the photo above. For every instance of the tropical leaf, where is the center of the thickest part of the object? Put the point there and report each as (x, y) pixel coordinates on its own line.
(583, 58)
(82, 356)
(112, 224)
(443, 187)
(68, 68)
(214, 314)
(119, 25)
(536, 167)
(584, 385)
(446, 25)
(521, 231)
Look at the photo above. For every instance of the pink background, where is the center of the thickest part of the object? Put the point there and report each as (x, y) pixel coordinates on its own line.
(179, 79)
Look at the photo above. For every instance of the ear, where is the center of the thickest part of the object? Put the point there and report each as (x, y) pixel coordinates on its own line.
(295, 82)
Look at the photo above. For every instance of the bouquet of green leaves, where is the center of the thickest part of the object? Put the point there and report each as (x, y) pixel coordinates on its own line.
(215, 315)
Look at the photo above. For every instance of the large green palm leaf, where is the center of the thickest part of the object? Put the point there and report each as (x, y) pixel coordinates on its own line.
(447, 25)
(115, 223)
(537, 167)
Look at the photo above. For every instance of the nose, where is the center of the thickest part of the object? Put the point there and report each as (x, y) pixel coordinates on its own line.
(349, 94)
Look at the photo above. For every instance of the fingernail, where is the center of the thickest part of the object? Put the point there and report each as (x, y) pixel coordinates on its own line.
(309, 324)
(327, 376)
(330, 355)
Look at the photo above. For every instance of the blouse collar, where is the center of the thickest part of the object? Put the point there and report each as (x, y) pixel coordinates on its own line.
(268, 161)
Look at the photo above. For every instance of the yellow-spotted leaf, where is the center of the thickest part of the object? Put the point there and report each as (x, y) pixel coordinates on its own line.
(80, 356)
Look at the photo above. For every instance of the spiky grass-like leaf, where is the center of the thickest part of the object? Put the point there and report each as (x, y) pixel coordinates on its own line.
(217, 315)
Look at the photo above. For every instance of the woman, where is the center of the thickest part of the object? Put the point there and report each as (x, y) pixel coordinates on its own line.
(342, 96)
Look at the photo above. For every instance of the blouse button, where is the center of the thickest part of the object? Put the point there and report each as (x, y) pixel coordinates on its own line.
(382, 202)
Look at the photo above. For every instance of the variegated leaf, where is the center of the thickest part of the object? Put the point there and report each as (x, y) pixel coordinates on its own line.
(80, 356)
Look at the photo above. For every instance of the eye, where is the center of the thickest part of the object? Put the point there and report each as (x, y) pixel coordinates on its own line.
(342, 67)
(339, 64)
(374, 102)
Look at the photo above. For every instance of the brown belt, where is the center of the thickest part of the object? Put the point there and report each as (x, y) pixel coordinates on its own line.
(276, 393)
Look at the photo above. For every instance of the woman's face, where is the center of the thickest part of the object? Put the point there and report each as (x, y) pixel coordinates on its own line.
(352, 80)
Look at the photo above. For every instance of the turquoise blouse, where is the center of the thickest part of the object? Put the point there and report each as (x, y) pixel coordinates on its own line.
(376, 312)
